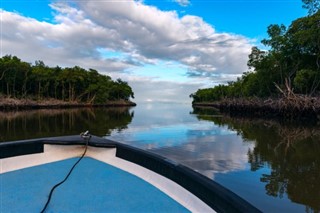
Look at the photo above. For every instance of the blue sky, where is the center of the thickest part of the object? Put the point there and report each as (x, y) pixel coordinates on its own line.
(247, 17)
(164, 49)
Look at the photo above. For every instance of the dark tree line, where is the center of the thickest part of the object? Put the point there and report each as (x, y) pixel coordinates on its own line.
(292, 63)
(19, 79)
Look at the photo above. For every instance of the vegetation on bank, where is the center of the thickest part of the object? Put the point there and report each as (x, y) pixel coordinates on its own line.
(299, 108)
(39, 83)
(26, 103)
(289, 72)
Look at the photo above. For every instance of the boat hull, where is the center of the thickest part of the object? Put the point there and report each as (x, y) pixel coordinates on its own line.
(192, 190)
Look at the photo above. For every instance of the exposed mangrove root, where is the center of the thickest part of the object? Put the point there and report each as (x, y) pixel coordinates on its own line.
(289, 107)
(22, 104)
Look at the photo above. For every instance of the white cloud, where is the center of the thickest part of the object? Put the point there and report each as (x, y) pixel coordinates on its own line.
(156, 34)
(163, 91)
(183, 3)
(64, 44)
(141, 34)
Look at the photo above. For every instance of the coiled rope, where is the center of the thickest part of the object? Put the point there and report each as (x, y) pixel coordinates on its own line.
(86, 136)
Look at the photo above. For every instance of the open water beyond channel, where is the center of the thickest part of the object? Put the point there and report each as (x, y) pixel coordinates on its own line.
(275, 166)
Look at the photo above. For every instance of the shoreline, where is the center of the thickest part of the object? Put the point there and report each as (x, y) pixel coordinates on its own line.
(301, 108)
(9, 104)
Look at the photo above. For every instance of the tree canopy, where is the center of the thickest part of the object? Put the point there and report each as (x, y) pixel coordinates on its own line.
(311, 5)
(19, 79)
(293, 61)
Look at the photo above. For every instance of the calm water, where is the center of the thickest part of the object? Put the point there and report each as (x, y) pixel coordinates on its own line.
(274, 166)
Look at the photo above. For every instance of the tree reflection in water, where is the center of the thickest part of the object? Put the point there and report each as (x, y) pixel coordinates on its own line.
(290, 150)
(19, 125)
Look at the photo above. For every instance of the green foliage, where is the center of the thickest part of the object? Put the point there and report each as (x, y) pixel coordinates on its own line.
(305, 81)
(311, 5)
(210, 94)
(250, 84)
(293, 57)
(20, 79)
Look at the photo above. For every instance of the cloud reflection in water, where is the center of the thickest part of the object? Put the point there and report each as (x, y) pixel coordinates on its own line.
(179, 136)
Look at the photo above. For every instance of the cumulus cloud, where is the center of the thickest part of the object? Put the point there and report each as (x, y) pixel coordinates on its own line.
(69, 43)
(143, 34)
(156, 34)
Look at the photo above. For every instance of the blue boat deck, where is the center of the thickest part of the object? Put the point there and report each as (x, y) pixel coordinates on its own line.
(93, 186)
(113, 177)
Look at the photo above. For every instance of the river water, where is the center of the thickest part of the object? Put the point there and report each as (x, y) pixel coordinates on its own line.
(274, 165)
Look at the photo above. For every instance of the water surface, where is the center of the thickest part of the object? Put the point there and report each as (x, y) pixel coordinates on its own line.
(274, 165)
(19, 125)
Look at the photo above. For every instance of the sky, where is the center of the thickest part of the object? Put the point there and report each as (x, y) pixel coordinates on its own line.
(164, 49)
